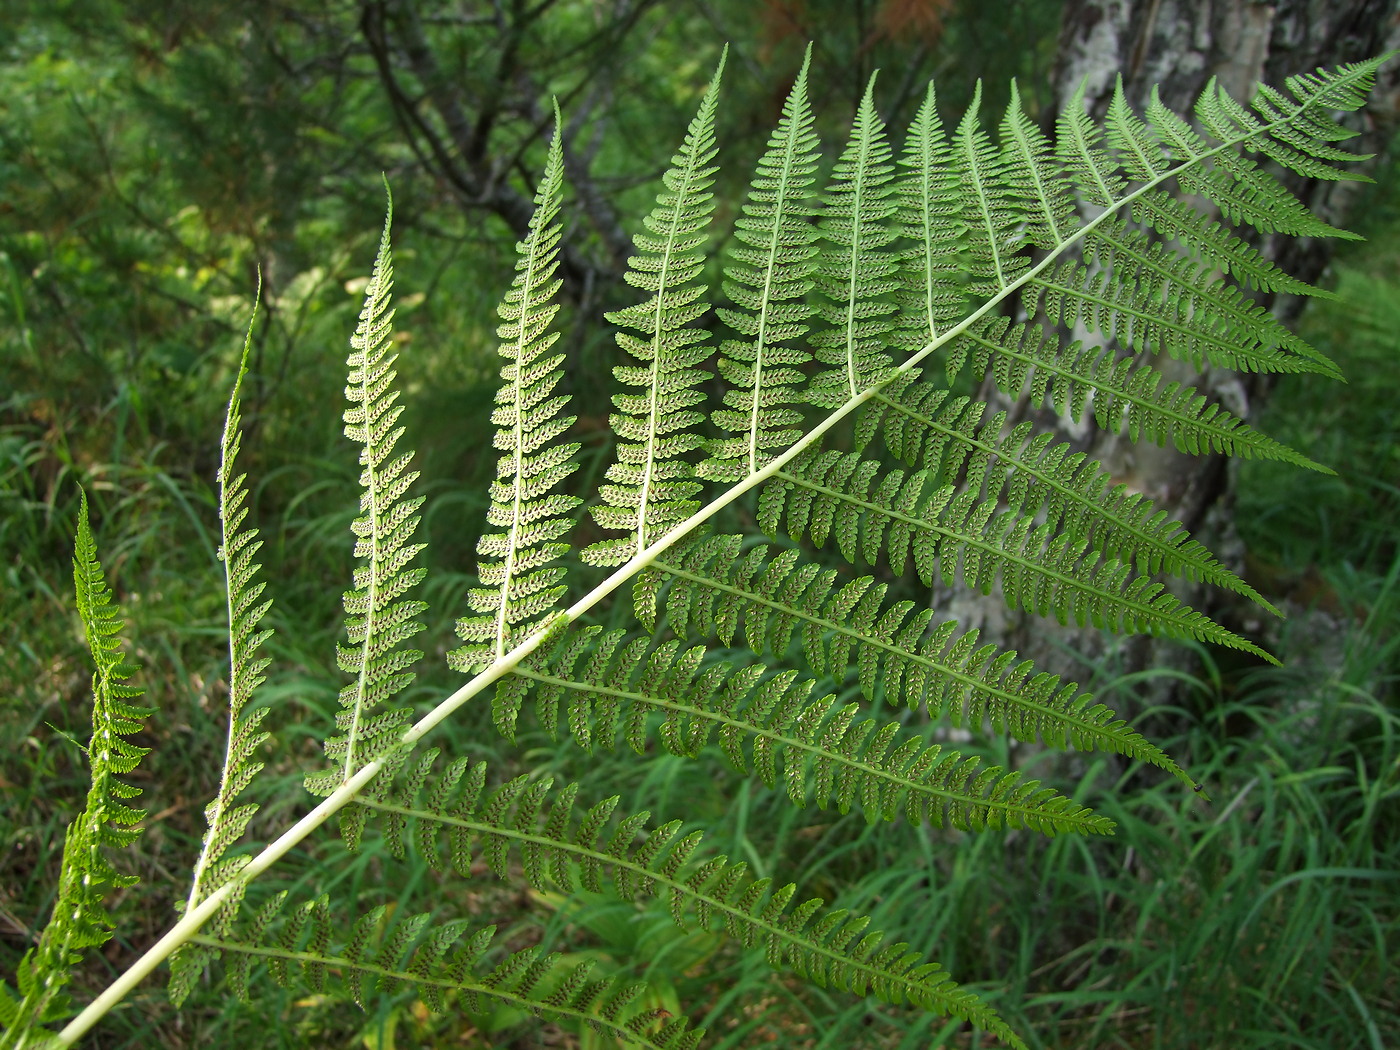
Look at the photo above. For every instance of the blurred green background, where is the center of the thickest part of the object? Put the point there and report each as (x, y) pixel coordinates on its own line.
(155, 158)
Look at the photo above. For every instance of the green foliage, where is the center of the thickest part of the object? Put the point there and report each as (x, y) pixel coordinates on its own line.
(378, 619)
(227, 819)
(1004, 512)
(80, 918)
(770, 273)
(520, 579)
(651, 486)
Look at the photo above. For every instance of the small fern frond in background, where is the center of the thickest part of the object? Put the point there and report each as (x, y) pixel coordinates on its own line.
(520, 580)
(80, 919)
(246, 608)
(651, 486)
(378, 618)
(770, 268)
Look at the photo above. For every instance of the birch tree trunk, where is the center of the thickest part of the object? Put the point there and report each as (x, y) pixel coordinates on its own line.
(1179, 45)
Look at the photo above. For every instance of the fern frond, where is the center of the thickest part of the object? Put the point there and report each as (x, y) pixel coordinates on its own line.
(769, 269)
(651, 484)
(1009, 509)
(456, 822)
(378, 619)
(108, 821)
(817, 748)
(382, 953)
(929, 428)
(246, 609)
(858, 269)
(1041, 570)
(718, 590)
(521, 580)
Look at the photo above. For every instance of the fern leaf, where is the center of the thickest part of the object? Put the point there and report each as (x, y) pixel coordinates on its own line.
(817, 748)
(928, 428)
(651, 485)
(378, 619)
(246, 608)
(1138, 152)
(1039, 184)
(769, 270)
(80, 920)
(521, 580)
(859, 269)
(1206, 317)
(928, 217)
(1041, 570)
(811, 940)
(994, 215)
(380, 954)
(763, 598)
(1032, 360)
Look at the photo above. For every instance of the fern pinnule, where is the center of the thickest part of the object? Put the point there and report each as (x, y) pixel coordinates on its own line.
(858, 269)
(521, 581)
(108, 821)
(378, 619)
(651, 485)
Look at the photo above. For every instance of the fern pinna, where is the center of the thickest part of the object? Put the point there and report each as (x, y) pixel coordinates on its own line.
(843, 316)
